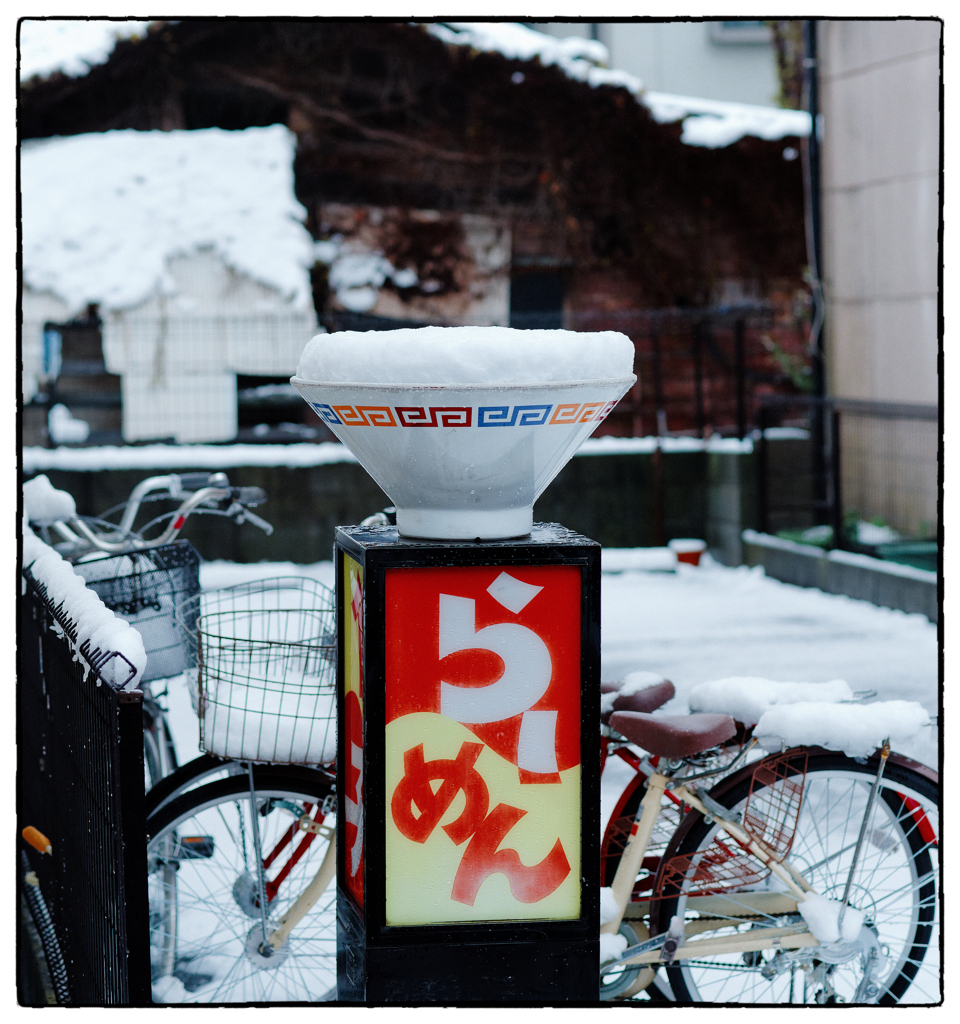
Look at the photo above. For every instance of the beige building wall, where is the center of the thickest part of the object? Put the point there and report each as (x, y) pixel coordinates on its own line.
(718, 60)
(880, 98)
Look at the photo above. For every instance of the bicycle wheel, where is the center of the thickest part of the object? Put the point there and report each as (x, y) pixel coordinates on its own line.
(206, 929)
(895, 884)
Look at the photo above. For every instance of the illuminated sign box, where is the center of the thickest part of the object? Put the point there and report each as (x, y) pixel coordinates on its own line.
(469, 796)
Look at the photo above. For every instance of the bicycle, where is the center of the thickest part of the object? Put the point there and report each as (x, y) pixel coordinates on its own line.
(727, 889)
(241, 841)
(143, 572)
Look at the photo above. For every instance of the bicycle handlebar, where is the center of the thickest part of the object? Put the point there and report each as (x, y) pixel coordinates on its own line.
(175, 484)
(196, 490)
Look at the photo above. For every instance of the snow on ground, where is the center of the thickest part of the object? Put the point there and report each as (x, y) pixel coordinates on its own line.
(225, 457)
(710, 622)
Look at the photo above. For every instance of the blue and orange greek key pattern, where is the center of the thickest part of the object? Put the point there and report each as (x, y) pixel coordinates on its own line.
(513, 415)
(563, 414)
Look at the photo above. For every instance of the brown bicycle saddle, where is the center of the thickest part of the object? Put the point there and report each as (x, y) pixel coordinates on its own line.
(673, 735)
(648, 699)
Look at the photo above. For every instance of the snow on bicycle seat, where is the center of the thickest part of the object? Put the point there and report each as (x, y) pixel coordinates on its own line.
(640, 691)
(747, 698)
(673, 735)
(855, 729)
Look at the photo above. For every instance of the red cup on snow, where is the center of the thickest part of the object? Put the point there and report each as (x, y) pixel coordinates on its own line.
(688, 550)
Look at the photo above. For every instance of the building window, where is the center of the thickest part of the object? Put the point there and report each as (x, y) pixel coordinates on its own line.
(742, 31)
(536, 300)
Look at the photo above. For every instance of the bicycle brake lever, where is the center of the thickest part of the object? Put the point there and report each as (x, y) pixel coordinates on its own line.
(239, 515)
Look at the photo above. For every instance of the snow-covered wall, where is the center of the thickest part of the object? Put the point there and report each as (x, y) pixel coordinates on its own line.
(193, 245)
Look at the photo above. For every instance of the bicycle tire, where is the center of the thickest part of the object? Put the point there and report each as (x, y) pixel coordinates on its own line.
(896, 885)
(199, 771)
(159, 755)
(205, 923)
(188, 776)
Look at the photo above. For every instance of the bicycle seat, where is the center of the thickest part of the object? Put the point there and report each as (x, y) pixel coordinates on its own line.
(648, 699)
(673, 735)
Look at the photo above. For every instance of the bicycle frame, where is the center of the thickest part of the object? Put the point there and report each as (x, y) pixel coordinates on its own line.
(632, 858)
(317, 885)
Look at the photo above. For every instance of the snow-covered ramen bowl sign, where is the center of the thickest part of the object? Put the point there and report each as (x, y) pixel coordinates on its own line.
(464, 427)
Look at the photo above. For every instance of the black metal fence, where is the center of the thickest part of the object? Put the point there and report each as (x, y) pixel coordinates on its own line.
(851, 474)
(702, 370)
(80, 781)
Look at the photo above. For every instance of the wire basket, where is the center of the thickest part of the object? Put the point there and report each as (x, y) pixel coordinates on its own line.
(770, 816)
(145, 588)
(265, 670)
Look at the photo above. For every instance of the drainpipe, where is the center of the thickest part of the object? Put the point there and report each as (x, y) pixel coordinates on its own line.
(822, 496)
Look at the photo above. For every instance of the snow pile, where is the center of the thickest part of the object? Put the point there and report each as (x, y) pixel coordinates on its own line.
(635, 559)
(748, 698)
(357, 277)
(270, 721)
(208, 456)
(95, 624)
(183, 457)
(71, 47)
(42, 501)
(577, 58)
(856, 729)
(64, 429)
(466, 355)
(717, 123)
(103, 212)
(612, 946)
(634, 682)
(708, 123)
(823, 918)
(609, 908)
(876, 533)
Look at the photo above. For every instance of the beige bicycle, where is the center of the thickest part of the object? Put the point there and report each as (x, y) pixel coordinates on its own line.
(804, 876)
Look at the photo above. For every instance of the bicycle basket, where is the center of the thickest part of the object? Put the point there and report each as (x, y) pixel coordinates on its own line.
(265, 670)
(770, 816)
(145, 588)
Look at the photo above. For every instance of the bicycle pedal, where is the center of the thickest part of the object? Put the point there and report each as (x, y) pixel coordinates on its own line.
(192, 980)
(196, 847)
(673, 941)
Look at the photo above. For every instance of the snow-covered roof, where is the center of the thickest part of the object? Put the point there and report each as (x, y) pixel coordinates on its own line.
(71, 46)
(708, 123)
(716, 123)
(103, 212)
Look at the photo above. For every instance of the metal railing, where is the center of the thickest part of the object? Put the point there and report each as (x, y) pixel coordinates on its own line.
(80, 781)
(851, 474)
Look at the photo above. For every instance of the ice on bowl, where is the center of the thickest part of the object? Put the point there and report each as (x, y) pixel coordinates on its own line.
(464, 427)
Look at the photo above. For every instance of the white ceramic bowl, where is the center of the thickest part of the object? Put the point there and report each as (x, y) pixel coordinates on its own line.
(463, 462)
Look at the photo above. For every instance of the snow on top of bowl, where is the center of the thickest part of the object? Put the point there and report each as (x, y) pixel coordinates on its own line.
(466, 355)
